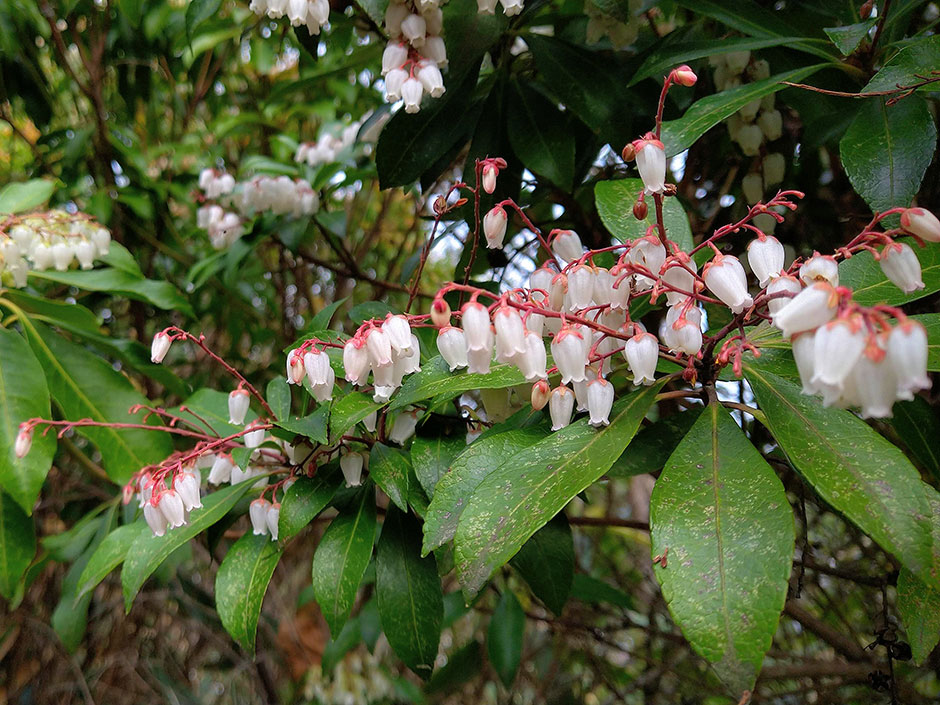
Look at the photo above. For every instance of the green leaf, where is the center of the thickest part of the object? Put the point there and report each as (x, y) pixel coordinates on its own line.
(408, 590)
(109, 554)
(305, 499)
(679, 135)
(917, 57)
(74, 317)
(722, 514)
(471, 35)
(851, 467)
(148, 552)
(278, 397)
(17, 544)
(887, 149)
(918, 426)
(931, 322)
(539, 135)
(467, 471)
(505, 636)
(312, 426)
(241, 583)
(161, 294)
(870, 286)
(531, 487)
(546, 561)
(848, 37)
(589, 589)
(345, 642)
(321, 321)
(87, 387)
(432, 458)
(462, 666)
(342, 557)
(198, 11)
(211, 406)
(435, 380)
(25, 195)
(918, 605)
(349, 410)
(390, 468)
(615, 201)
(23, 395)
(653, 445)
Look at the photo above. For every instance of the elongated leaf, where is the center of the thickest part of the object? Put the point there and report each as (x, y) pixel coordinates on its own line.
(198, 12)
(87, 387)
(505, 636)
(25, 195)
(918, 426)
(109, 554)
(546, 561)
(848, 37)
(305, 499)
(615, 201)
(532, 486)
(278, 397)
(435, 380)
(349, 410)
(23, 395)
(390, 468)
(432, 458)
(408, 590)
(209, 409)
(17, 544)
(593, 590)
(313, 426)
(148, 552)
(161, 294)
(241, 583)
(919, 606)
(903, 68)
(540, 136)
(887, 149)
(679, 135)
(852, 468)
(653, 445)
(870, 286)
(722, 514)
(467, 471)
(342, 557)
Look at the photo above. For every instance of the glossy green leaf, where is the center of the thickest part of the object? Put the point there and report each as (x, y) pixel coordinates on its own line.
(595, 591)
(851, 467)
(278, 397)
(679, 135)
(615, 201)
(931, 323)
(653, 445)
(870, 286)
(435, 380)
(918, 604)
(208, 409)
(539, 135)
(304, 500)
(431, 458)
(722, 514)
(848, 37)
(887, 150)
(546, 561)
(241, 583)
(109, 554)
(390, 468)
(902, 69)
(408, 589)
(918, 426)
(198, 11)
(462, 665)
(23, 395)
(349, 410)
(25, 195)
(466, 472)
(531, 487)
(85, 386)
(148, 552)
(17, 544)
(505, 636)
(342, 557)
(313, 426)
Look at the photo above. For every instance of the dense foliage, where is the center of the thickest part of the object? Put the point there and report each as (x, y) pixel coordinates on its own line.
(247, 250)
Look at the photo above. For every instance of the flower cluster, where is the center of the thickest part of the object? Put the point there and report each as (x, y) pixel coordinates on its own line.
(415, 53)
(51, 240)
(327, 146)
(602, 24)
(312, 14)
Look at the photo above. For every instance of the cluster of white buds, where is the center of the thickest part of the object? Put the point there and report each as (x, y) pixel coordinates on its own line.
(311, 364)
(279, 194)
(389, 351)
(327, 147)
(169, 508)
(50, 240)
(264, 516)
(215, 184)
(312, 14)
(510, 7)
(223, 227)
(601, 24)
(415, 53)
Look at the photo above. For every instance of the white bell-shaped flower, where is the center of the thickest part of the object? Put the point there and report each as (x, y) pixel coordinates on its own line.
(258, 514)
(487, 7)
(62, 255)
(874, 383)
(394, 81)
(558, 292)
(541, 279)
(324, 390)
(414, 29)
(580, 391)
(687, 336)
(431, 80)
(510, 330)
(680, 277)
(494, 227)
(642, 354)
(171, 505)
(395, 14)
(254, 437)
(804, 353)
(648, 252)
(779, 285)
(651, 163)
(452, 345)
(159, 347)
(295, 367)
(435, 50)
(600, 399)
(272, 519)
(569, 355)
(839, 344)
(398, 331)
(567, 245)
(603, 287)
(511, 7)
(922, 223)
(580, 287)
(770, 123)
(411, 93)
(221, 470)
(155, 519)
(370, 421)
(820, 268)
(351, 465)
(404, 427)
(725, 277)
(478, 361)
(378, 347)
(774, 168)
(356, 361)
(394, 56)
(238, 403)
(475, 321)
(901, 266)
(532, 363)
(765, 257)
(85, 254)
(317, 366)
(560, 407)
(811, 308)
(187, 486)
(535, 322)
(907, 356)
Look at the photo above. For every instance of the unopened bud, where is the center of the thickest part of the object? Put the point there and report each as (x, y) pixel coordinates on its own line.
(541, 391)
(489, 177)
(640, 209)
(440, 313)
(922, 223)
(865, 10)
(440, 205)
(629, 152)
(685, 76)
(159, 347)
(24, 441)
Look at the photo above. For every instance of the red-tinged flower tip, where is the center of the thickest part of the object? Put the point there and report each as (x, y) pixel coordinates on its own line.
(440, 313)
(159, 347)
(541, 391)
(24, 441)
(684, 76)
(922, 223)
(491, 169)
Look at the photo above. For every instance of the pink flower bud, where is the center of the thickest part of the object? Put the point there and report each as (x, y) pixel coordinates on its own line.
(560, 407)
(159, 347)
(684, 76)
(494, 227)
(922, 223)
(725, 276)
(642, 354)
(440, 313)
(651, 163)
(600, 398)
(766, 258)
(24, 441)
(820, 268)
(490, 171)
(295, 368)
(238, 402)
(901, 266)
(351, 465)
(541, 391)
